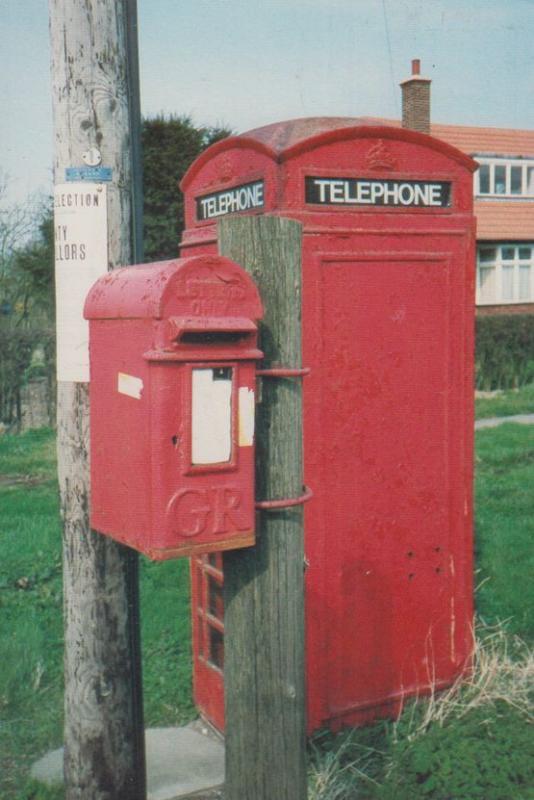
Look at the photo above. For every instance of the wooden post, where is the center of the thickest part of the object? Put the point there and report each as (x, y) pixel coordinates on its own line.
(94, 73)
(264, 585)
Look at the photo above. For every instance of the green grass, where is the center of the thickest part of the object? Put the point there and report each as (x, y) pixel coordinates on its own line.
(31, 628)
(505, 526)
(30, 606)
(478, 750)
(166, 637)
(506, 403)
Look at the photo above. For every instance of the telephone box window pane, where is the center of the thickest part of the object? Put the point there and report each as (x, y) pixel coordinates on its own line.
(524, 282)
(508, 283)
(215, 598)
(487, 284)
(500, 179)
(216, 644)
(484, 179)
(508, 253)
(515, 180)
(211, 415)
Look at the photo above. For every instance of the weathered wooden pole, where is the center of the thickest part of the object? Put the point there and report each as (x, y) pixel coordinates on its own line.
(264, 585)
(94, 85)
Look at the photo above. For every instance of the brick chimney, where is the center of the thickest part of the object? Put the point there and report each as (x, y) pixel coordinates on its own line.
(416, 100)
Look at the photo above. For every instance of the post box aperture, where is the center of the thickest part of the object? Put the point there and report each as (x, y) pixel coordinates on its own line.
(173, 351)
(387, 331)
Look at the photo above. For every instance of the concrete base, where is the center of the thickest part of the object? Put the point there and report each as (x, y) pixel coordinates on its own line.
(180, 762)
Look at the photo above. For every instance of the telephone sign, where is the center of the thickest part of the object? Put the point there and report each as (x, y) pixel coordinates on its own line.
(238, 198)
(364, 191)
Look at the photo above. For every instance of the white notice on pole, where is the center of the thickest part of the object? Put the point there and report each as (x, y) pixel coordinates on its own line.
(81, 255)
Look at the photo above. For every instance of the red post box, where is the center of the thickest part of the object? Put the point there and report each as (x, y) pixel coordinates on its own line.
(388, 307)
(173, 363)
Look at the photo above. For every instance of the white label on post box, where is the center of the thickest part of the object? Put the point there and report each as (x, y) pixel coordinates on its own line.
(211, 415)
(81, 256)
(129, 385)
(246, 416)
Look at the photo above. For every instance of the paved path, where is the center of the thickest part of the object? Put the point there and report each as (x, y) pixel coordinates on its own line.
(492, 422)
(181, 763)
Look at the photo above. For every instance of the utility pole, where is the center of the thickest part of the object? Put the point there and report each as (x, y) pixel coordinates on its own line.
(264, 585)
(97, 202)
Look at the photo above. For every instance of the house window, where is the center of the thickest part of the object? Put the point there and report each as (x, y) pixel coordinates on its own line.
(505, 273)
(504, 177)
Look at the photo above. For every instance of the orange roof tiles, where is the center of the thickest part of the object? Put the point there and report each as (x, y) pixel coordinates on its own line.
(499, 220)
(474, 140)
(488, 141)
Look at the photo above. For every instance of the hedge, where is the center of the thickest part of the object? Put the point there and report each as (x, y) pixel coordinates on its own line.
(504, 353)
(17, 346)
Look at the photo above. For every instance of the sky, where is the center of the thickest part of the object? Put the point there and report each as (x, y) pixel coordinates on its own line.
(245, 63)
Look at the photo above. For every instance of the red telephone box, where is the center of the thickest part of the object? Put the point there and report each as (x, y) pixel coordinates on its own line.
(388, 307)
(173, 372)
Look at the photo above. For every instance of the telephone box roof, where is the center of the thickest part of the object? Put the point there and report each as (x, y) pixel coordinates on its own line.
(282, 136)
(283, 140)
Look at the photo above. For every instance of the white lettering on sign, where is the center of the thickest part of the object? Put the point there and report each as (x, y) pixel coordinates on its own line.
(238, 198)
(81, 257)
(360, 191)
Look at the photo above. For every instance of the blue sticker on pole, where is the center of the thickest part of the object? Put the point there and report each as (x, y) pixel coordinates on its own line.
(94, 174)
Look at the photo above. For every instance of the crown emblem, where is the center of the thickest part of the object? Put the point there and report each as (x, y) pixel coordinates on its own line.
(379, 157)
(225, 169)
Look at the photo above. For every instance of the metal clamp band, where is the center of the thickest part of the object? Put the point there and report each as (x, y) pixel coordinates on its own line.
(274, 505)
(283, 372)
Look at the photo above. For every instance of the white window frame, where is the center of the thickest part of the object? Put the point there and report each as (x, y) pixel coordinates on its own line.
(500, 264)
(507, 163)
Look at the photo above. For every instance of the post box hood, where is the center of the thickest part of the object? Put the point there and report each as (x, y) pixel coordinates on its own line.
(174, 288)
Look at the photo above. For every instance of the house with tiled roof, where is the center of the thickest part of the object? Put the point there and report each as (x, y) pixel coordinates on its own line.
(504, 200)
(504, 207)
